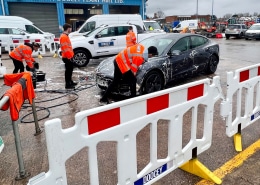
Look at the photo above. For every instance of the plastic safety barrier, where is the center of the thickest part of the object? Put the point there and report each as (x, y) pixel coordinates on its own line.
(241, 85)
(2, 68)
(126, 119)
(54, 46)
(1, 144)
(41, 50)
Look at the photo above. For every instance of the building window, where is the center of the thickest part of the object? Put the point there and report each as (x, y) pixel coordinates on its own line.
(74, 11)
(95, 11)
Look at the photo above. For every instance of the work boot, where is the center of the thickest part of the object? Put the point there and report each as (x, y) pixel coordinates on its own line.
(69, 86)
(103, 101)
(73, 83)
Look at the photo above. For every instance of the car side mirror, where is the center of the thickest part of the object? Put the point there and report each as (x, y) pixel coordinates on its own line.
(175, 52)
(98, 36)
(22, 33)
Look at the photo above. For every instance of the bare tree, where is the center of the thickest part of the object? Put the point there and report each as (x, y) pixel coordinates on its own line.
(227, 16)
(160, 14)
(255, 14)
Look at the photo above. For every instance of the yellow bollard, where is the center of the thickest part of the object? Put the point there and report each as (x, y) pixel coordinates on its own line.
(39, 55)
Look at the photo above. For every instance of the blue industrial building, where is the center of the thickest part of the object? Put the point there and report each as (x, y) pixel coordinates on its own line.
(49, 15)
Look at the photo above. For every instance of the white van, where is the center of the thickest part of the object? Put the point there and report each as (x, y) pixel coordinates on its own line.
(107, 19)
(191, 24)
(24, 24)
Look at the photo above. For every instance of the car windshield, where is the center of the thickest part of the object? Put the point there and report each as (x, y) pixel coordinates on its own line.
(233, 26)
(154, 25)
(160, 43)
(255, 27)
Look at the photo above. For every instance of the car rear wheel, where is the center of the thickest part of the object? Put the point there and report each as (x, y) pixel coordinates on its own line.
(153, 82)
(212, 65)
(227, 36)
(81, 58)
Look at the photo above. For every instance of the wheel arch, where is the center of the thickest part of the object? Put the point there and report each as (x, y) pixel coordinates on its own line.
(84, 49)
(148, 72)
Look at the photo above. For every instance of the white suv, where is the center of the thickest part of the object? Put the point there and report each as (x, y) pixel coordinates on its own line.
(235, 30)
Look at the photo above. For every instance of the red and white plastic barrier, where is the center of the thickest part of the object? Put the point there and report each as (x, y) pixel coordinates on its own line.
(54, 46)
(16, 42)
(121, 122)
(244, 85)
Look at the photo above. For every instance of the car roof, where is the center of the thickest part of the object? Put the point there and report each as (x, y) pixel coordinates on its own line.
(173, 35)
(111, 25)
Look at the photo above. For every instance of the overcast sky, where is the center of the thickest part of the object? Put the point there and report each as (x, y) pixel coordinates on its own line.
(189, 7)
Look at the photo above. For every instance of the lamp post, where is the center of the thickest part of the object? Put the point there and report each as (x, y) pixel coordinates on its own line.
(212, 8)
(197, 11)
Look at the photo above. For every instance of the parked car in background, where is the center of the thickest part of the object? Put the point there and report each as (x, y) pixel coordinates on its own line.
(191, 24)
(107, 19)
(8, 34)
(235, 30)
(155, 26)
(253, 32)
(179, 56)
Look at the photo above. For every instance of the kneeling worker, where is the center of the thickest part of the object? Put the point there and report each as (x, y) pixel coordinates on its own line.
(23, 52)
(126, 65)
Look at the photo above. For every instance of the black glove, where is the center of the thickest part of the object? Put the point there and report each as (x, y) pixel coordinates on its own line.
(32, 70)
(36, 65)
(28, 68)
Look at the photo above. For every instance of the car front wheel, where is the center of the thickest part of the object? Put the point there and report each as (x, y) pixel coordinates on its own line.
(81, 58)
(212, 65)
(153, 82)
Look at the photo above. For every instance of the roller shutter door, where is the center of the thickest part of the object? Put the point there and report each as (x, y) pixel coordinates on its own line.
(43, 15)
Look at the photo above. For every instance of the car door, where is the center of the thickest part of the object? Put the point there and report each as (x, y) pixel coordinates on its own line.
(121, 37)
(105, 42)
(181, 63)
(199, 53)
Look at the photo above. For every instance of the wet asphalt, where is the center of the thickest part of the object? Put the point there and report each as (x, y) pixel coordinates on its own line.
(234, 54)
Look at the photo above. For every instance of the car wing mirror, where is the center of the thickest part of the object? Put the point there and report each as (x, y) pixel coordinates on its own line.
(98, 36)
(175, 52)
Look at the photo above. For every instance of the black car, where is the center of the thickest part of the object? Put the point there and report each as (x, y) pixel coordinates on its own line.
(179, 56)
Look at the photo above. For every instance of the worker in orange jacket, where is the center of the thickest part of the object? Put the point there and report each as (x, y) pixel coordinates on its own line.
(23, 52)
(67, 55)
(126, 65)
(130, 37)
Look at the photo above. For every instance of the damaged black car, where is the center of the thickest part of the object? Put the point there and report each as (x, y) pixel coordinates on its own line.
(179, 56)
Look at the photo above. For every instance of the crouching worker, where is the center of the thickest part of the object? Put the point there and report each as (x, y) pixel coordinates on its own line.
(126, 65)
(23, 52)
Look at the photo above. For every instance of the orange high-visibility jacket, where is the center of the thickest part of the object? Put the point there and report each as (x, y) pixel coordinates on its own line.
(17, 94)
(130, 58)
(28, 92)
(130, 39)
(23, 52)
(66, 47)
